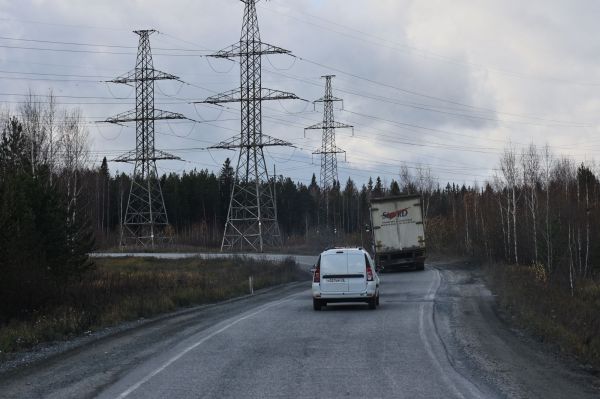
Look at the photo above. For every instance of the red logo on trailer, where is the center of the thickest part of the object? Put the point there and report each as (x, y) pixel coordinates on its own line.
(393, 215)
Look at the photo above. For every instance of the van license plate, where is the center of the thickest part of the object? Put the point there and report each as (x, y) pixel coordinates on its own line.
(336, 280)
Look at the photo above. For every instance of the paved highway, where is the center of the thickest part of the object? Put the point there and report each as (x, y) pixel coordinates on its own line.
(435, 335)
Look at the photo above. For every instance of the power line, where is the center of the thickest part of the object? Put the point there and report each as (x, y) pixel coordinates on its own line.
(434, 108)
(63, 50)
(407, 91)
(423, 52)
(90, 44)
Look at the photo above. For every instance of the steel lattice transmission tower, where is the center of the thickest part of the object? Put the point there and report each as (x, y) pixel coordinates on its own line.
(145, 222)
(329, 149)
(252, 217)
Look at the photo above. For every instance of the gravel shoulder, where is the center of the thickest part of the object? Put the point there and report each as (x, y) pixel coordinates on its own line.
(480, 342)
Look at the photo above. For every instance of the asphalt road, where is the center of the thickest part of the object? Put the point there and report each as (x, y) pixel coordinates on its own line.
(435, 335)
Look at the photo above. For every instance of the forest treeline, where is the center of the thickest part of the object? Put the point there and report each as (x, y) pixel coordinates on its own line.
(540, 209)
(45, 230)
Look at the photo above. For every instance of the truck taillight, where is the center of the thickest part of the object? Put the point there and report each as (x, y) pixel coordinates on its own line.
(317, 275)
(369, 272)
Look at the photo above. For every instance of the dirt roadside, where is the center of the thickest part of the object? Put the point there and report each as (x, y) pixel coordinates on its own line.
(482, 344)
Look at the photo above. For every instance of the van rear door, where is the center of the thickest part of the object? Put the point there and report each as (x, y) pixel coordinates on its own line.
(334, 272)
(357, 272)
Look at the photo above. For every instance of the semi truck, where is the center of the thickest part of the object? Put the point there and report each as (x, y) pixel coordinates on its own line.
(398, 232)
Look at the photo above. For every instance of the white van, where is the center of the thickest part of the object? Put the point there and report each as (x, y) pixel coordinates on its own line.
(345, 275)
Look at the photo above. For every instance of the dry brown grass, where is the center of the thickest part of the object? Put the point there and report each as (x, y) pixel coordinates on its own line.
(571, 322)
(129, 288)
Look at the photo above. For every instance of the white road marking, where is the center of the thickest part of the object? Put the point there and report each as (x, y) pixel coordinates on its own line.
(172, 360)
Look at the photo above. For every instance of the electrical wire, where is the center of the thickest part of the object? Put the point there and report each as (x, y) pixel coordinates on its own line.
(180, 136)
(90, 44)
(109, 138)
(306, 104)
(221, 110)
(294, 59)
(182, 83)
(422, 52)
(217, 71)
(128, 97)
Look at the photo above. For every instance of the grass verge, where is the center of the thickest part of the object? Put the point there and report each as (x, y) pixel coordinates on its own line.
(123, 289)
(551, 312)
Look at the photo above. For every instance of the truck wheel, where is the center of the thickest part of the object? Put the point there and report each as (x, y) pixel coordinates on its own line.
(373, 303)
(420, 266)
(317, 304)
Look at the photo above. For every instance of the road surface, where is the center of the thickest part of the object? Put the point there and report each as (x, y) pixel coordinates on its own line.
(435, 335)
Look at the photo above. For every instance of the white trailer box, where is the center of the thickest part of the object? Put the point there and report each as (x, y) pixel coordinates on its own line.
(398, 232)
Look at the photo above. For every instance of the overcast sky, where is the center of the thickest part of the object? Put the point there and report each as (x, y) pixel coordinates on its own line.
(445, 84)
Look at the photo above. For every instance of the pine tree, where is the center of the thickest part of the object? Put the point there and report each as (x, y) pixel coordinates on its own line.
(43, 244)
(378, 189)
(394, 188)
(226, 181)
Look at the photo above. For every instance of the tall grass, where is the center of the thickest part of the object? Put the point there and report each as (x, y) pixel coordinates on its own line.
(551, 312)
(124, 289)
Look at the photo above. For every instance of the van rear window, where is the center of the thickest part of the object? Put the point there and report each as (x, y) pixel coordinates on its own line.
(334, 264)
(356, 263)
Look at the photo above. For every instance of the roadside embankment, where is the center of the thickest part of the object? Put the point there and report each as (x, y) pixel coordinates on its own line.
(122, 289)
(556, 315)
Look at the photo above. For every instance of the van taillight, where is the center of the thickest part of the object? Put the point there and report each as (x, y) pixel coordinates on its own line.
(369, 273)
(317, 275)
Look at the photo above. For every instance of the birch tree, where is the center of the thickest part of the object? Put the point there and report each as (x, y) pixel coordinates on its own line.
(530, 161)
(546, 174)
(510, 171)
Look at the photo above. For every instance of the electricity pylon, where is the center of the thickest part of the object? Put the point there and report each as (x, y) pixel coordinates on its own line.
(145, 223)
(329, 149)
(252, 217)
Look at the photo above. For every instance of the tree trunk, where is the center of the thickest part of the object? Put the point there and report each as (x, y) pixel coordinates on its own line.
(514, 214)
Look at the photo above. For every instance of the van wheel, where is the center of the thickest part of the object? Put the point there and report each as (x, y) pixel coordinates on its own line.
(377, 300)
(373, 303)
(420, 266)
(317, 304)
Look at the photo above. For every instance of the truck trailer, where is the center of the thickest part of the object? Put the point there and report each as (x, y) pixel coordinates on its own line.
(398, 232)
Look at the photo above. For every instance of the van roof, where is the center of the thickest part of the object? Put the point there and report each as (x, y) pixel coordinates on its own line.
(343, 249)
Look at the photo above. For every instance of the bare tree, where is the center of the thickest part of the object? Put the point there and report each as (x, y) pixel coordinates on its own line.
(31, 111)
(530, 161)
(511, 174)
(565, 173)
(49, 119)
(74, 145)
(498, 187)
(587, 225)
(407, 180)
(425, 185)
(547, 165)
